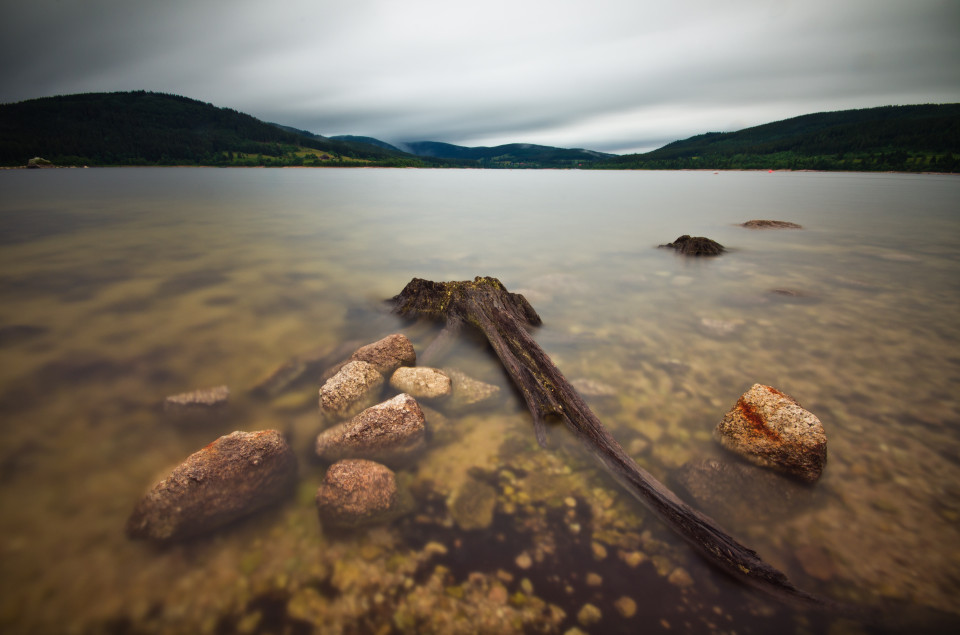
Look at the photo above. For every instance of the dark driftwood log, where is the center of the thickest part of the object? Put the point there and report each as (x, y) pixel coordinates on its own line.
(504, 317)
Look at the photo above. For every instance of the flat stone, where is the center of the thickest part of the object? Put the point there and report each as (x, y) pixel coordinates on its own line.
(771, 224)
(356, 386)
(469, 392)
(388, 354)
(390, 432)
(422, 382)
(771, 429)
(735, 491)
(198, 402)
(232, 477)
(357, 493)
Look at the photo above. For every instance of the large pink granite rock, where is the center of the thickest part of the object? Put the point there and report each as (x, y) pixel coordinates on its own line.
(771, 429)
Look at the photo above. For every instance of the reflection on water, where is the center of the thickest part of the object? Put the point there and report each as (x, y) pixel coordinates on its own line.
(119, 287)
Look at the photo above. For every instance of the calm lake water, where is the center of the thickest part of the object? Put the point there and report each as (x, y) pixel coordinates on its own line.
(120, 287)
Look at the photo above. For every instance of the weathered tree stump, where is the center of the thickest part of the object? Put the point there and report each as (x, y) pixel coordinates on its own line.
(504, 317)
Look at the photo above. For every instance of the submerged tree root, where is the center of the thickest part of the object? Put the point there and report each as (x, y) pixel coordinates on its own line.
(504, 317)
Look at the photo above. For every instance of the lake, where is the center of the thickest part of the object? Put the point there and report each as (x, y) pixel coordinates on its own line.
(119, 287)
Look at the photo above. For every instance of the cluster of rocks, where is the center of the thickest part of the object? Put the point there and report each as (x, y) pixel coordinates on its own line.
(243, 472)
(702, 246)
(360, 488)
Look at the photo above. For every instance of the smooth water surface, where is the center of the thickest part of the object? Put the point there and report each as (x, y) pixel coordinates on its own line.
(121, 286)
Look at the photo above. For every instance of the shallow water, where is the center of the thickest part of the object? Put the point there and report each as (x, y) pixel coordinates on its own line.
(119, 287)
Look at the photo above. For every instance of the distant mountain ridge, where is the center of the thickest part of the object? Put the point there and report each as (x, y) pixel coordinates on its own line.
(145, 128)
(905, 138)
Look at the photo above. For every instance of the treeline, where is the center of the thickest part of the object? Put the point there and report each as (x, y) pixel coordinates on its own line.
(901, 138)
(144, 128)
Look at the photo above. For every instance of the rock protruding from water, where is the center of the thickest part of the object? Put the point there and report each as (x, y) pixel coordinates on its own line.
(388, 354)
(771, 224)
(356, 386)
(390, 432)
(696, 246)
(358, 492)
(232, 477)
(771, 429)
(468, 392)
(200, 403)
(422, 382)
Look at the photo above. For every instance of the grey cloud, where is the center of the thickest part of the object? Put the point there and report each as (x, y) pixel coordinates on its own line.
(594, 74)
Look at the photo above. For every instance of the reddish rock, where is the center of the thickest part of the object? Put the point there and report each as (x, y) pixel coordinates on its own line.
(232, 477)
(357, 492)
(388, 354)
(390, 432)
(771, 429)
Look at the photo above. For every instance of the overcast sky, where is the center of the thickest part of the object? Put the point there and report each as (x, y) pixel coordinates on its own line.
(610, 75)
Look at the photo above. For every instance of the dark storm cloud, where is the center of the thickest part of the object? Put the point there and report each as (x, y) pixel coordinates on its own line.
(611, 75)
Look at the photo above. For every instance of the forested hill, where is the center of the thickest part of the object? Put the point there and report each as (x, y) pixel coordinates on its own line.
(143, 128)
(904, 138)
(511, 154)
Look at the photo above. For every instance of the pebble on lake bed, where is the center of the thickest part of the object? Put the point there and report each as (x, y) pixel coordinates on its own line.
(232, 477)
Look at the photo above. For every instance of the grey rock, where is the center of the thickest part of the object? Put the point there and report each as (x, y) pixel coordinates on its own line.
(597, 392)
(422, 382)
(390, 432)
(232, 477)
(469, 392)
(696, 246)
(358, 492)
(771, 429)
(356, 386)
(388, 354)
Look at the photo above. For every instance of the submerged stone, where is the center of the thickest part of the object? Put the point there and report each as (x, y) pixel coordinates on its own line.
(355, 386)
(469, 392)
(696, 246)
(358, 492)
(735, 491)
(198, 402)
(474, 504)
(390, 432)
(388, 354)
(771, 224)
(422, 382)
(771, 429)
(232, 477)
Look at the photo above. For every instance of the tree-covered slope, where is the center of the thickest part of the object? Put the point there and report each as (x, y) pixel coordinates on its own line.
(923, 137)
(143, 128)
(510, 155)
